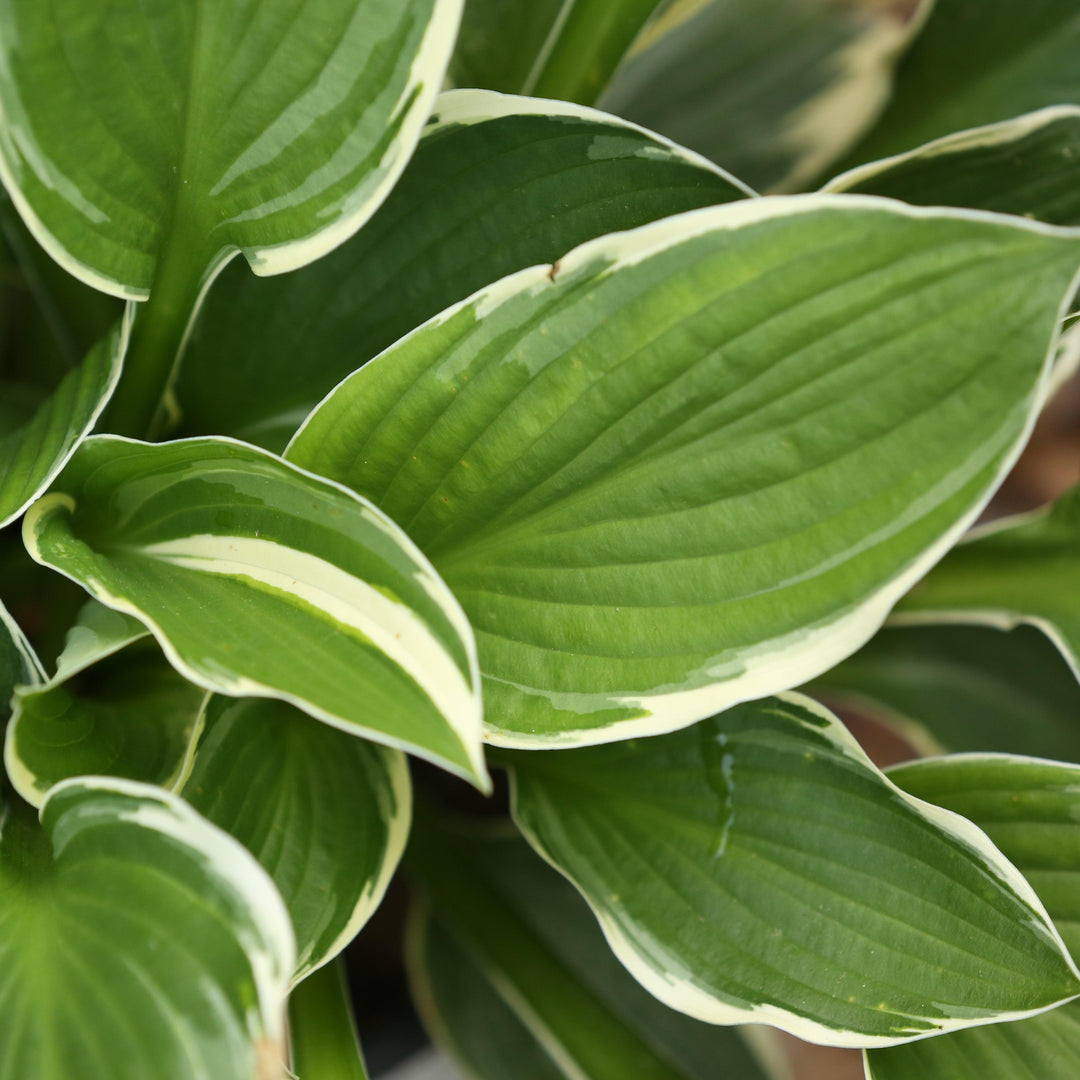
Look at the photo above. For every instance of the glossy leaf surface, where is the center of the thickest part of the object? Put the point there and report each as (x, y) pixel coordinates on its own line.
(144, 144)
(115, 707)
(1031, 810)
(1027, 166)
(1017, 570)
(326, 814)
(975, 63)
(136, 940)
(773, 90)
(34, 451)
(512, 975)
(497, 184)
(261, 580)
(698, 462)
(961, 688)
(757, 867)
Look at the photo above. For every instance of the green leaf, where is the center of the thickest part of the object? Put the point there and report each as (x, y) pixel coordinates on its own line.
(109, 710)
(1030, 809)
(547, 49)
(497, 184)
(697, 463)
(136, 940)
(144, 145)
(978, 63)
(1023, 569)
(512, 975)
(258, 579)
(960, 688)
(773, 90)
(1025, 166)
(34, 451)
(18, 664)
(499, 41)
(757, 867)
(322, 1033)
(339, 813)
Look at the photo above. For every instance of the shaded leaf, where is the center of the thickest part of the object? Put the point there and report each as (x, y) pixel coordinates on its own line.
(340, 814)
(258, 579)
(136, 940)
(110, 710)
(974, 64)
(773, 90)
(757, 867)
(512, 974)
(960, 688)
(18, 664)
(497, 184)
(1024, 569)
(699, 462)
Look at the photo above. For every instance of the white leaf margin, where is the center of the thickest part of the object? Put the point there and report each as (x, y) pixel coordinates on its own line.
(466, 108)
(667, 978)
(467, 728)
(268, 942)
(985, 136)
(793, 659)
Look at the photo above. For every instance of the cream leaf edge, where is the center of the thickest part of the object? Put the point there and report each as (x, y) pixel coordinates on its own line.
(674, 986)
(803, 654)
(241, 686)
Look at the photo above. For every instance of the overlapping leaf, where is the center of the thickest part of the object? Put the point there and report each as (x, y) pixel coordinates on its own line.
(1016, 570)
(109, 710)
(1031, 810)
(497, 184)
(512, 974)
(18, 665)
(34, 451)
(974, 64)
(322, 1032)
(142, 145)
(259, 579)
(1026, 166)
(758, 867)
(698, 462)
(773, 90)
(962, 688)
(327, 815)
(136, 940)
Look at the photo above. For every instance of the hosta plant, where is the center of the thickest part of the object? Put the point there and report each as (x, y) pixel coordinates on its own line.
(399, 398)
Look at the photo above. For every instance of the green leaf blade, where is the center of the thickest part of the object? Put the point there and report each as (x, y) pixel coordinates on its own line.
(138, 940)
(345, 809)
(259, 579)
(757, 867)
(644, 444)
